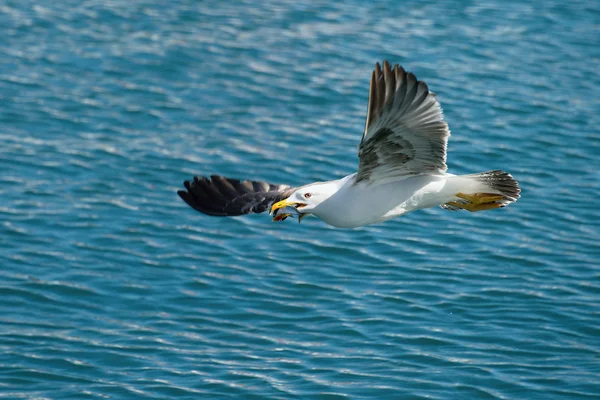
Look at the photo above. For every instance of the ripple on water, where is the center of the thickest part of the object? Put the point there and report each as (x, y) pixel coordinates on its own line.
(112, 287)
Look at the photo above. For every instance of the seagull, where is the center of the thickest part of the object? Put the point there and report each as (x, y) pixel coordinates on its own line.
(401, 168)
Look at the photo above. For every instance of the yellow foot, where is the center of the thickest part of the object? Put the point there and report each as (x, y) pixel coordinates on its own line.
(478, 198)
(478, 201)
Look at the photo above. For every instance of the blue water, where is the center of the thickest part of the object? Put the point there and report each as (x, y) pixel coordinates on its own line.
(111, 287)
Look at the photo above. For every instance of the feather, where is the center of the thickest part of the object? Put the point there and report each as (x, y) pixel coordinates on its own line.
(405, 132)
(221, 196)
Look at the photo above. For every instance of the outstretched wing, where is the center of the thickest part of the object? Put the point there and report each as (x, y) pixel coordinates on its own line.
(405, 133)
(220, 196)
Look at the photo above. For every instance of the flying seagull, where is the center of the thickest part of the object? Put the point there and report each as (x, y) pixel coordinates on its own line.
(401, 168)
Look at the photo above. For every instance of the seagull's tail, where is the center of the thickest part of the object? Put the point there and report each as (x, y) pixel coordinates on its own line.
(483, 191)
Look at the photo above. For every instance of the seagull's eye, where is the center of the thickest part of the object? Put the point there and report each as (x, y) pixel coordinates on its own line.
(307, 195)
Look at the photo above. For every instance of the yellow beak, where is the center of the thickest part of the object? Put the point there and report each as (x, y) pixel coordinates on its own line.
(281, 204)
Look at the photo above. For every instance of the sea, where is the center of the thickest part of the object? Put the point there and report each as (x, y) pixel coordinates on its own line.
(111, 287)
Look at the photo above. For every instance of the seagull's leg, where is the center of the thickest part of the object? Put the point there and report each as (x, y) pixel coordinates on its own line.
(478, 198)
(478, 201)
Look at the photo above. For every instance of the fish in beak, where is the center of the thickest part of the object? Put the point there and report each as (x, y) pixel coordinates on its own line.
(285, 208)
(281, 216)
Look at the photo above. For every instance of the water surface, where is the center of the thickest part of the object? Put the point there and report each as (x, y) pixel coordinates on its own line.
(111, 287)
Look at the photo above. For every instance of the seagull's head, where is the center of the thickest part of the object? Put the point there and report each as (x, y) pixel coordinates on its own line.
(305, 200)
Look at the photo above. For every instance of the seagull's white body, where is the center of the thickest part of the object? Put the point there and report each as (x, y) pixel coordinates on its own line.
(352, 204)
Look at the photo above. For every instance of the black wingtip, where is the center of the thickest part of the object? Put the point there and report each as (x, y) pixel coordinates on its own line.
(221, 196)
(193, 202)
(185, 196)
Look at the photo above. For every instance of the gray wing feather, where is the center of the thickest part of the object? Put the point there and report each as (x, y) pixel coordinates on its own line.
(220, 196)
(405, 132)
